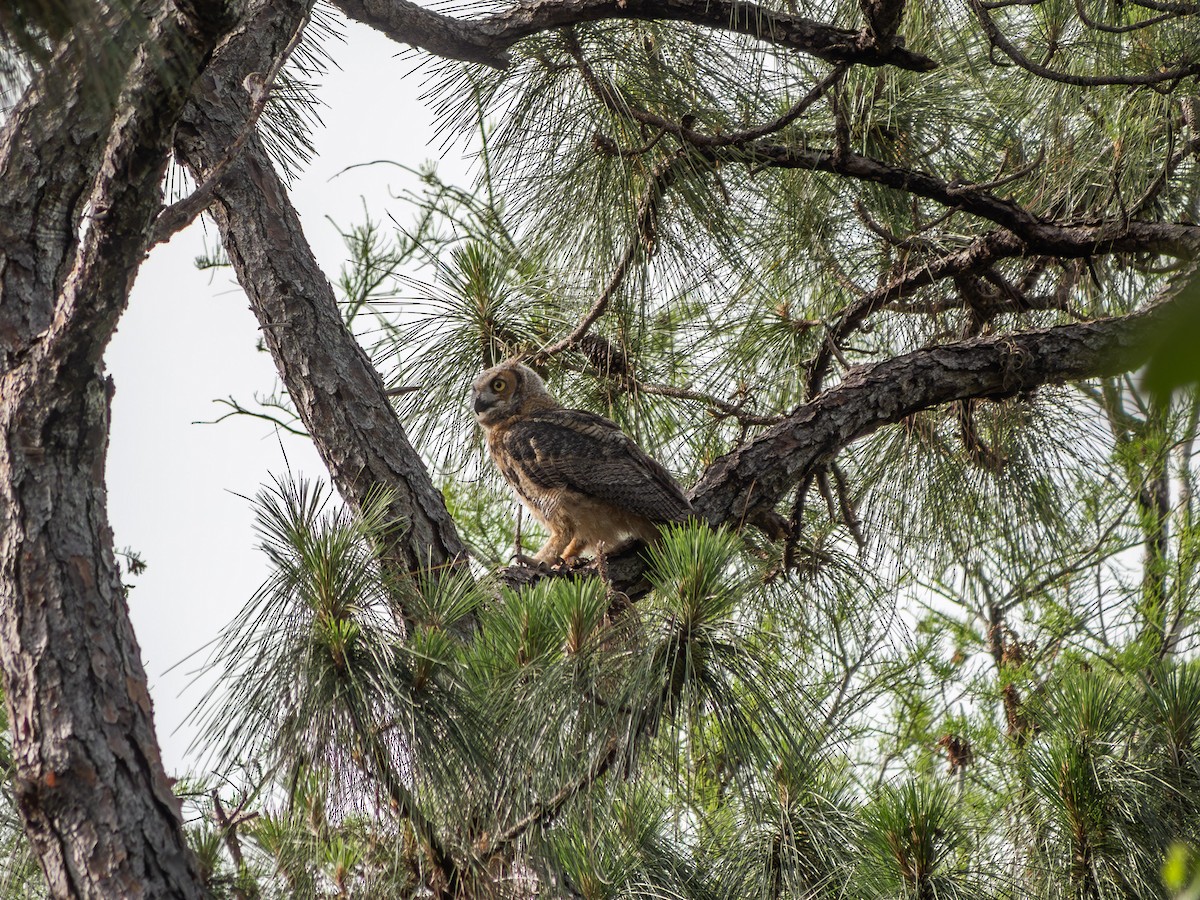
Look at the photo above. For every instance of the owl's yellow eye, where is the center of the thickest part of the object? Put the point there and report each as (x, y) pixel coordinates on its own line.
(498, 385)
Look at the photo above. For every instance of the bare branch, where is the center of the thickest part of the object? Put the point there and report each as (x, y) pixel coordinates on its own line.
(999, 41)
(487, 40)
(1044, 237)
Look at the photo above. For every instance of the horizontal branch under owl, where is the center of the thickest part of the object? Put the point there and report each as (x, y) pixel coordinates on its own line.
(743, 486)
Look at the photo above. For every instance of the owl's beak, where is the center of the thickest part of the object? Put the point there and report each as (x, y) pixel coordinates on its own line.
(482, 403)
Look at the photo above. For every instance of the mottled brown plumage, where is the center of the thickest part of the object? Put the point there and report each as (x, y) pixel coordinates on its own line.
(576, 472)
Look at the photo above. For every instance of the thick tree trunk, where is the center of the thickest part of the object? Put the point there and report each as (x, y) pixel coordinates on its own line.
(89, 781)
(338, 394)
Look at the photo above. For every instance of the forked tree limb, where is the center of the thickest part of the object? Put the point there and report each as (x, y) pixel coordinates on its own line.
(89, 781)
(337, 391)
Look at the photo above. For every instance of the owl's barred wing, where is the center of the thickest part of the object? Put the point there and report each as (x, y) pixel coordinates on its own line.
(584, 452)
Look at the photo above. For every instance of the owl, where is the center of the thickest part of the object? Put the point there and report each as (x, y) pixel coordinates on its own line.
(576, 472)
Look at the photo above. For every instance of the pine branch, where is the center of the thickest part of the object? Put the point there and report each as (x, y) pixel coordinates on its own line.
(640, 244)
(983, 252)
(615, 101)
(487, 40)
(756, 475)
(998, 40)
(543, 812)
(1042, 236)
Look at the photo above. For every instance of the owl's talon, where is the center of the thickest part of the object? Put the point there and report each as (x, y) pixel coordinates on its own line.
(530, 562)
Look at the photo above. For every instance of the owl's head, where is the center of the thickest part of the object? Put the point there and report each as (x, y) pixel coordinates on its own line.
(507, 390)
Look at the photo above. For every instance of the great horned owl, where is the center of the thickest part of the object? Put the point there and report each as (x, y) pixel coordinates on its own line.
(577, 472)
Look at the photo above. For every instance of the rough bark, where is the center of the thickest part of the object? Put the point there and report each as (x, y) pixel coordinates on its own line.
(755, 476)
(53, 139)
(487, 40)
(337, 391)
(89, 781)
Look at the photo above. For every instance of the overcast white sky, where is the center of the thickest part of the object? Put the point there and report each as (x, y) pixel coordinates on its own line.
(176, 488)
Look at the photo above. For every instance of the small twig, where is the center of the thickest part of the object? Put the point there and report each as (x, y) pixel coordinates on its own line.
(798, 109)
(238, 410)
(960, 187)
(518, 550)
(904, 243)
(229, 826)
(1000, 42)
(841, 130)
(795, 524)
(822, 476)
(978, 452)
(642, 241)
(612, 98)
(727, 410)
(606, 145)
(846, 505)
(1081, 11)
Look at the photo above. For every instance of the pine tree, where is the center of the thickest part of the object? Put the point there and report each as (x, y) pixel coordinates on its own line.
(874, 279)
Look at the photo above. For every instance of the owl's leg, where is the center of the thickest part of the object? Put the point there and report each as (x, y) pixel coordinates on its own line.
(574, 549)
(553, 549)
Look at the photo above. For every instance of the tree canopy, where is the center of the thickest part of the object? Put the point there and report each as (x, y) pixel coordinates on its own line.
(876, 280)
